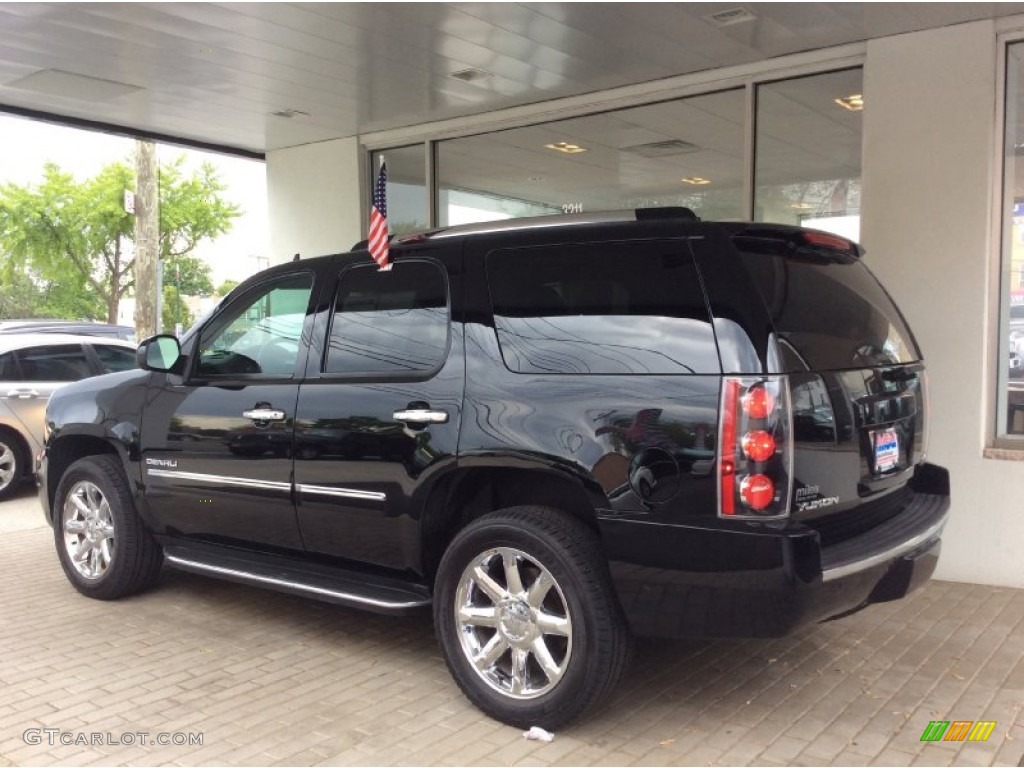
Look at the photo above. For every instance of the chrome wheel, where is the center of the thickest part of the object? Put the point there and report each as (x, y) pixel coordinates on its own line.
(88, 530)
(8, 465)
(513, 623)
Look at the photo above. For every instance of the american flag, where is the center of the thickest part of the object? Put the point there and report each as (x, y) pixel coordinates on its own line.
(378, 239)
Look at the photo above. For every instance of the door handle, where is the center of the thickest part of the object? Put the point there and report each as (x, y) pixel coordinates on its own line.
(421, 416)
(264, 414)
(22, 394)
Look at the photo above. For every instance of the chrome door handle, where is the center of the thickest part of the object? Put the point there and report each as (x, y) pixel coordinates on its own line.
(421, 416)
(264, 414)
(22, 394)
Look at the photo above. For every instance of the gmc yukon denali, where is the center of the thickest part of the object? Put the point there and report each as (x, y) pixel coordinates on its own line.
(559, 433)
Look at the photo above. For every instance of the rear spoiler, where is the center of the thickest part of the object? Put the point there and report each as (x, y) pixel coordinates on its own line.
(792, 242)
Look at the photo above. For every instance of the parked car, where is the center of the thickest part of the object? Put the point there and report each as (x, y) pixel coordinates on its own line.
(32, 367)
(83, 328)
(559, 433)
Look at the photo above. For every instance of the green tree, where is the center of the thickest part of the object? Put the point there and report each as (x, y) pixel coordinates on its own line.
(75, 239)
(189, 275)
(226, 287)
(175, 310)
(19, 296)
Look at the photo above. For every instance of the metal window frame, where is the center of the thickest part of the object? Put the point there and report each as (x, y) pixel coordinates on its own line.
(997, 376)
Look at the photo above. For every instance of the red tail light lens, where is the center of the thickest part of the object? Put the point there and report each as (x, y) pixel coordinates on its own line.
(757, 491)
(824, 240)
(755, 452)
(726, 442)
(758, 445)
(758, 402)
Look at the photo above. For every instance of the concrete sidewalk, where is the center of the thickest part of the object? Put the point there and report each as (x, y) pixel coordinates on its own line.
(271, 679)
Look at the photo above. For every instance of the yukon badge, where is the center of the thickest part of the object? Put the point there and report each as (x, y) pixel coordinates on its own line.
(809, 498)
(161, 463)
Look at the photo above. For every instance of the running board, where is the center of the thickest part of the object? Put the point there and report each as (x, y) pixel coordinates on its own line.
(357, 590)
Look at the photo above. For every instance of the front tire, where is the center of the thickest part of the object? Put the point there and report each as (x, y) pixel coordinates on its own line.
(527, 617)
(12, 463)
(104, 548)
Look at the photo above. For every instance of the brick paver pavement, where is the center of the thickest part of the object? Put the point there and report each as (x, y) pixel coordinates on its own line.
(277, 680)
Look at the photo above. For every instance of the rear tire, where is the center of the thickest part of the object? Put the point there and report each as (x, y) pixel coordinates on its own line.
(13, 463)
(527, 617)
(103, 546)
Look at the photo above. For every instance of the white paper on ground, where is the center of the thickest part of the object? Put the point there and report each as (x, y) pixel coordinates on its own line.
(536, 733)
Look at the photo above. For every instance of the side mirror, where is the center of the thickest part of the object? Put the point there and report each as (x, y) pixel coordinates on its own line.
(158, 353)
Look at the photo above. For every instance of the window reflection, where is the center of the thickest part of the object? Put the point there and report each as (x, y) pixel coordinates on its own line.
(808, 163)
(627, 158)
(1010, 419)
(602, 309)
(406, 189)
(389, 322)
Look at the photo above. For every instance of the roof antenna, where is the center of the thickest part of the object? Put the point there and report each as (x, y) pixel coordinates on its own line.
(295, 257)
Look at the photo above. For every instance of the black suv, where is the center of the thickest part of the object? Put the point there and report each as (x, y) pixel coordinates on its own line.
(559, 432)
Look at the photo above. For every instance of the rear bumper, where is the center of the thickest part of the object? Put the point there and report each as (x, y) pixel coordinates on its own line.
(718, 581)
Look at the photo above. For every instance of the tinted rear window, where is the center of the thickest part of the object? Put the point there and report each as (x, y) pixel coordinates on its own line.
(830, 315)
(601, 308)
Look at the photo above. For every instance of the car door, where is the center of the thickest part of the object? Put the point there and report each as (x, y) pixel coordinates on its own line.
(217, 441)
(378, 414)
(35, 372)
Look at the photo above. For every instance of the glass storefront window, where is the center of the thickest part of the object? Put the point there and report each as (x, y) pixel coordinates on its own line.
(808, 152)
(407, 187)
(686, 152)
(1010, 414)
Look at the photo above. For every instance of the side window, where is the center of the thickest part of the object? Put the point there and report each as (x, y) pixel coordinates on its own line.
(59, 362)
(261, 334)
(605, 308)
(115, 358)
(389, 323)
(9, 368)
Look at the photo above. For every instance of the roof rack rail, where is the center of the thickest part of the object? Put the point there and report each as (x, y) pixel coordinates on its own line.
(550, 220)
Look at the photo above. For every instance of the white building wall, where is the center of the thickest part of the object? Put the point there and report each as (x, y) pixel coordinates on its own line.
(314, 199)
(929, 180)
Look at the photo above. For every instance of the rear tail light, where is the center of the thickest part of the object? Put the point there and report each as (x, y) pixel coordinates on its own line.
(755, 449)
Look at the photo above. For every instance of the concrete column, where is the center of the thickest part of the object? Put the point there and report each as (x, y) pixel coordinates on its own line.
(929, 173)
(314, 199)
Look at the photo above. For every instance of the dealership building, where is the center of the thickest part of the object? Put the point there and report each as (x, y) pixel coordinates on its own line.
(899, 125)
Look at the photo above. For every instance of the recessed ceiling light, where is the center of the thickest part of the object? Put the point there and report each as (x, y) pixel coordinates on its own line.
(566, 147)
(663, 148)
(696, 180)
(854, 102)
(470, 75)
(731, 16)
(290, 114)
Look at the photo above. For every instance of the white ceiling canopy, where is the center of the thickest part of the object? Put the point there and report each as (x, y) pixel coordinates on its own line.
(261, 76)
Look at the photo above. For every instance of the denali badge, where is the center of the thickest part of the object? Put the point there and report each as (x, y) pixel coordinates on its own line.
(161, 463)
